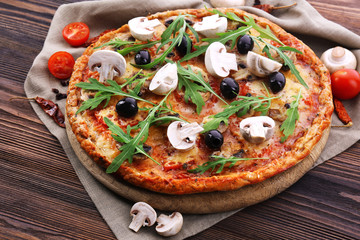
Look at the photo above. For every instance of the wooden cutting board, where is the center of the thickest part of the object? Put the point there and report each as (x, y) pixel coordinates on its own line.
(202, 203)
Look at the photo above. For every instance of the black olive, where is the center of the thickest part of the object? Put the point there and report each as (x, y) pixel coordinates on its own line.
(142, 57)
(184, 46)
(168, 22)
(127, 107)
(277, 82)
(245, 44)
(229, 88)
(214, 139)
(285, 68)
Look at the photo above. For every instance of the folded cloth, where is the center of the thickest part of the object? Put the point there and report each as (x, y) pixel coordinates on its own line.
(302, 20)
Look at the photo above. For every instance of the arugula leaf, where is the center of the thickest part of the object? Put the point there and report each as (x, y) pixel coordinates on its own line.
(92, 103)
(241, 107)
(197, 77)
(192, 92)
(132, 145)
(221, 161)
(288, 126)
(179, 26)
(223, 38)
(287, 60)
(105, 93)
(116, 43)
(137, 47)
(249, 21)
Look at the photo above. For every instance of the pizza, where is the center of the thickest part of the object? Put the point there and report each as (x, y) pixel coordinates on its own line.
(198, 100)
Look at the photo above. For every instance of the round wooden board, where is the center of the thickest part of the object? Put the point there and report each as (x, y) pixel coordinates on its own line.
(202, 203)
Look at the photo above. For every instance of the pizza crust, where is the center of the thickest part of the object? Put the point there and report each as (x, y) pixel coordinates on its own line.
(146, 174)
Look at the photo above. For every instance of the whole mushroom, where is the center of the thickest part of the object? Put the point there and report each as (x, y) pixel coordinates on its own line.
(143, 215)
(338, 58)
(108, 63)
(257, 129)
(169, 225)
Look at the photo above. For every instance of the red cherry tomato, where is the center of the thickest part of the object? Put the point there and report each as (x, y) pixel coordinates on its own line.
(345, 83)
(61, 64)
(76, 33)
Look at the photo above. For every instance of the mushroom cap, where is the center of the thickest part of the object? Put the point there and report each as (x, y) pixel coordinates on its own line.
(169, 225)
(218, 62)
(211, 25)
(261, 66)
(165, 80)
(227, 3)
(143, 215)
(338, 58)
(108, 63)
(257, 129)
(181, 135)
(142, 28)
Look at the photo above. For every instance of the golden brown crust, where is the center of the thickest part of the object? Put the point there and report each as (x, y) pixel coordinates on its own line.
(176, 180)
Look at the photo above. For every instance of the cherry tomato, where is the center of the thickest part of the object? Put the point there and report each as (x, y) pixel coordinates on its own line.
(61, 64)
(345, 83)
(76, 33)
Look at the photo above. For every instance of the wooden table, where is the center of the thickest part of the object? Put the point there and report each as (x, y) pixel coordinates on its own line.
(42, 198)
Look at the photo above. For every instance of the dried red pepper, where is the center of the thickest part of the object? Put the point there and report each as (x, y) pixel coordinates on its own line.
(94, 39)
(269, 8)
(342, 113)
(50, 108)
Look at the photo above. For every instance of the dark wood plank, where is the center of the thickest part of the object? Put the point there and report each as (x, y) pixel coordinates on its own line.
(42, 198)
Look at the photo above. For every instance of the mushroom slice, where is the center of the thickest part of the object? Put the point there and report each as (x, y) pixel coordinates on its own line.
(227, 3)
(261, 66)
(169, 225)
(182, 135)
(142, 28)
(108, 63)
(143, 215)
(211, 25)
(257, 129)
(218, 62)
(165, 80)
(338, 58)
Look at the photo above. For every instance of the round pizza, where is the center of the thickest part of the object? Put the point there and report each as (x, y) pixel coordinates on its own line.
(198, 100)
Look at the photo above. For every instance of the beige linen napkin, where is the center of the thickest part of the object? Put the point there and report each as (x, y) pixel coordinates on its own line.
(316, 31)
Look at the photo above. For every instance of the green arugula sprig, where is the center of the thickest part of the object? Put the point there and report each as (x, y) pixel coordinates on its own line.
(223, 38)
(134, 145)
(178, 26)
(249, 21)
(106, 92)
(116, 43)
(221, 162)
(241, 107)
(194, 83)
(287, 60)
(133, 47)
(288, 126)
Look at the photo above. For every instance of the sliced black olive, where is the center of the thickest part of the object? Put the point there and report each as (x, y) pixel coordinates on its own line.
(184, 46)
(142, 57)
(277, 82)
(214, 139)
(245, 44)
(229, 88)
(127, 107)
